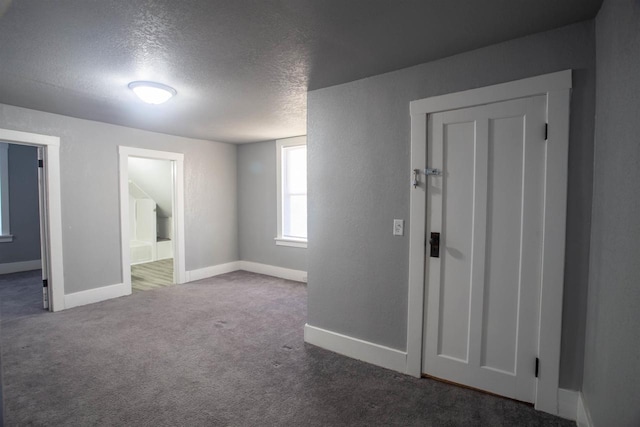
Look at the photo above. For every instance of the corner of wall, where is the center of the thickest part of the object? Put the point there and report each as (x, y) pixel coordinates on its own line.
(583, 417)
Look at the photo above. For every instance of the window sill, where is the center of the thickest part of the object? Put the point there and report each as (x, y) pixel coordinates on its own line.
(6, 238)
(288, 241)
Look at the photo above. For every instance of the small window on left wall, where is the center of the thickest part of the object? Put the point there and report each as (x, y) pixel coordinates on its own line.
(5, 229)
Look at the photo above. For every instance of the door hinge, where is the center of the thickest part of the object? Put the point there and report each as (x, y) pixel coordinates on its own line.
(537, 366)
(546, 131)
(45, 283)
(40, 163)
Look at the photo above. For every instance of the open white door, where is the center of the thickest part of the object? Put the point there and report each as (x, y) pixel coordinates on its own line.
(50, 211)
(44, 228)
(487, 209)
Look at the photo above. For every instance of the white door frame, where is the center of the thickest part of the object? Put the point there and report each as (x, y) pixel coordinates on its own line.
(557, 88)
(51, 242)
(179, 272)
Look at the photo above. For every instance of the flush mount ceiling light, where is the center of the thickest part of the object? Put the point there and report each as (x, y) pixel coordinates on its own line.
(151, 92)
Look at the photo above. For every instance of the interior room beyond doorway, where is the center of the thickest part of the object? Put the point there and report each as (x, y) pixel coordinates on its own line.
(151, 223)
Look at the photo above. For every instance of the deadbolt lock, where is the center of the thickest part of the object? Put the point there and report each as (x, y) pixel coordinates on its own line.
(435, 245)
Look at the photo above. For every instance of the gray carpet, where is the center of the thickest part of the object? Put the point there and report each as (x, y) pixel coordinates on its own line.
(20, 295)
(226, 351)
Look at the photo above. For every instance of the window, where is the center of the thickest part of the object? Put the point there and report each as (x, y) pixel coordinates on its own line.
(5, 234)
(291, 155)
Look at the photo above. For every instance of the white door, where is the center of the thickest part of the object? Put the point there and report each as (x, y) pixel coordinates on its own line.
(44, 229)
(483, 290)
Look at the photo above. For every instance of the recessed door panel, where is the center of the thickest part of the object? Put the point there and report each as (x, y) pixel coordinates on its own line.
(502, 253)
(455, 281)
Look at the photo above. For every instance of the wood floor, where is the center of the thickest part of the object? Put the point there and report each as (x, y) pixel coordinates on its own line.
(152, 275)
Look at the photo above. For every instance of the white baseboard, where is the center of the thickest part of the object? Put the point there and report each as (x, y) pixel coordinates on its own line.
(254, 267)
(113, 291)
(16, 267)
(572, 407)
(583, 416)
(568, 403)
(214, 270)
(356, 348)
(272, 270)
(95, 295)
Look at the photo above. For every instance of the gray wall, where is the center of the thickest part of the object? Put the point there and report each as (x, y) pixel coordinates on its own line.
(257, 209)
(359, 156)
(612, 354)
(90, 194)
(23, 206)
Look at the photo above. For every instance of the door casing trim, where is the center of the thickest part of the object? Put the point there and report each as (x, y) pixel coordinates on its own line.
(557, 89)
(52, 241)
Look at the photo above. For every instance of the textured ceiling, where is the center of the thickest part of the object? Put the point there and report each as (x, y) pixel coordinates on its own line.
(241, 67)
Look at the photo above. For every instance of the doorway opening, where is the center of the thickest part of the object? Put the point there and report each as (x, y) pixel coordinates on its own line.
(21, 267)
(30, 218)
(152, 212)
(150, 223)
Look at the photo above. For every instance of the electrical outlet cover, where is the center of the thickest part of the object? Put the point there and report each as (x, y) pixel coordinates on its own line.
(398, 227)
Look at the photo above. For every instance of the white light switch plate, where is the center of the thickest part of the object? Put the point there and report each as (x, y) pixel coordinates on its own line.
(398, 227)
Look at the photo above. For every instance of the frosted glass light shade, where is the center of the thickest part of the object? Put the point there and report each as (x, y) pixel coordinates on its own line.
(151, 92)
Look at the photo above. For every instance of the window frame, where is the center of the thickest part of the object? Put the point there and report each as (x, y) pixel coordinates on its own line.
(280, 239)
(5, 222)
